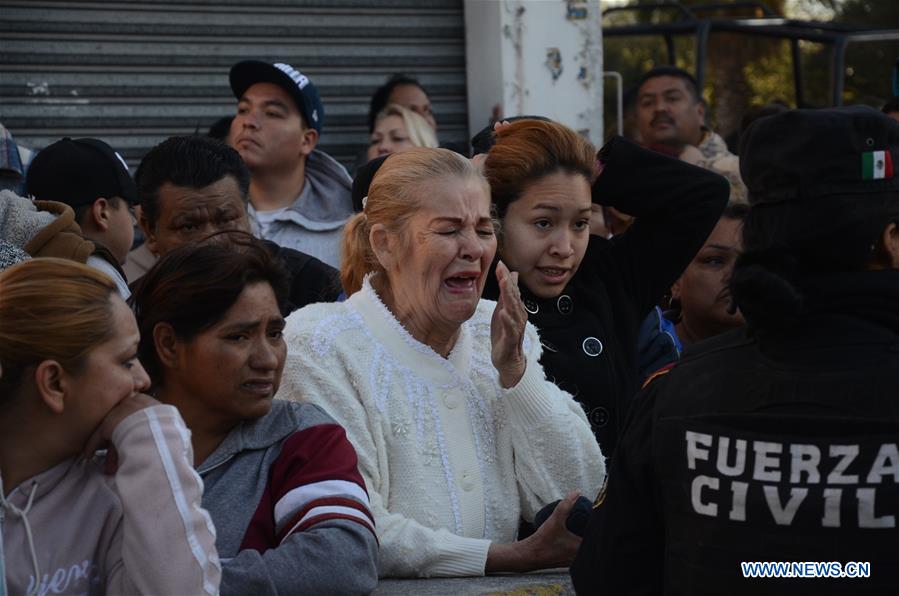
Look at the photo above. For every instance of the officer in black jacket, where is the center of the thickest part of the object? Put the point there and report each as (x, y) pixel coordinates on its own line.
(777, 444)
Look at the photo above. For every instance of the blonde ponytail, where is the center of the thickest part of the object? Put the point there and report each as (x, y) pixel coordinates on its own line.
(357, 256)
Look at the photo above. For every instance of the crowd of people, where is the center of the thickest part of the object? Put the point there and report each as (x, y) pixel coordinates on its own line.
(651, 361)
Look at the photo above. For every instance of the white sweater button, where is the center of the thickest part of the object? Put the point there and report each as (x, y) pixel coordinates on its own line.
(451, 401)
(467, 482)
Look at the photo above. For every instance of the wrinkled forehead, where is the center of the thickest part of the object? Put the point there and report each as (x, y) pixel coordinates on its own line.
(220, 195)
(466, 197)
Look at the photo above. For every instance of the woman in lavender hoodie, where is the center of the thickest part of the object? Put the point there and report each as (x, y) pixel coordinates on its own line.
(127, 521)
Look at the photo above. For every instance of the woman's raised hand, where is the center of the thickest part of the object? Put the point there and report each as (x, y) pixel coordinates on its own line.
(507, 329)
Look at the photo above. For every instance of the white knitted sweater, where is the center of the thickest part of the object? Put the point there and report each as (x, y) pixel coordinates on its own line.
(451, 460)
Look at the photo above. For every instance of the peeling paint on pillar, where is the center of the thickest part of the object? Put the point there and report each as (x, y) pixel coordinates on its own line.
(536, 57)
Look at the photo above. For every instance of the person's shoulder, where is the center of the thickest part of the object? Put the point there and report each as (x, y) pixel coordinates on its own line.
(658, 374)
(284, 419)
(708, 359)
(713, 146)
(291, 258)
(313, 274)
(302, 414)
(312, 318)
(318, 331)
(312, 434)
(321, 162)
(720, 346)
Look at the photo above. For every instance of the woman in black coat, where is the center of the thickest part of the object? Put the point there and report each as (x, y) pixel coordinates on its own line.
(587, 295)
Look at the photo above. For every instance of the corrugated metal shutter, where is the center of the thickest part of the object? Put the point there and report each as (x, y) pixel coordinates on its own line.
(134, 73)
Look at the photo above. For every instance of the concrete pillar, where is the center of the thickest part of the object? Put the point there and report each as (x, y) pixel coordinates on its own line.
(541, 57)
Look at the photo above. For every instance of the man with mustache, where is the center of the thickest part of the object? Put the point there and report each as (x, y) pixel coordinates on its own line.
(671, 118)
(194, 187)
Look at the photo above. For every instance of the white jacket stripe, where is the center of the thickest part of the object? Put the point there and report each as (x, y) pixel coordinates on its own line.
(296, 499)
(328, 510)
(180, 501)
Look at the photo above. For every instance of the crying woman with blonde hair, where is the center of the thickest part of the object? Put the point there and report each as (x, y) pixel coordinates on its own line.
(458, 432)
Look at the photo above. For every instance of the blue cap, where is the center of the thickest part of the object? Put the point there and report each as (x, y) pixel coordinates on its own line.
(249, 72)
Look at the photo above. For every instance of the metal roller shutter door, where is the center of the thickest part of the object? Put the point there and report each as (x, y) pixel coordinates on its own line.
(134, 73)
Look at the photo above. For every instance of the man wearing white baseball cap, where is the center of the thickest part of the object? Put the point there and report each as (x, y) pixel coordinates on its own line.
(299, 196)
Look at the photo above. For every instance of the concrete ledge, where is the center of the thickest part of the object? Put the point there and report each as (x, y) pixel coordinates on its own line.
(554, 583)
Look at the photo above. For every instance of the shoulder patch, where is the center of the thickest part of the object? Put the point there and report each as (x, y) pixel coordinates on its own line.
(662, 371)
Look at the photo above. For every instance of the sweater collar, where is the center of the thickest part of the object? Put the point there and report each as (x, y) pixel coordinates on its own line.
(249, 435)
(387, 330)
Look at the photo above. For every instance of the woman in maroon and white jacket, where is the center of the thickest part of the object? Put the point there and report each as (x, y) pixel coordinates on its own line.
(290, 508)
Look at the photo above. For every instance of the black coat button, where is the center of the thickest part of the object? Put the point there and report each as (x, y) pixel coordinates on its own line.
(565, 304)
(592, 347)
(598, 416)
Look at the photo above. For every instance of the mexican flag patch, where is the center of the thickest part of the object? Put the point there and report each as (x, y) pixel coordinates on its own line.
(877, 165)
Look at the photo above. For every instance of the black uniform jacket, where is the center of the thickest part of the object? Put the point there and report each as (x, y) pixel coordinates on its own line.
(779, 446)
(589, 333)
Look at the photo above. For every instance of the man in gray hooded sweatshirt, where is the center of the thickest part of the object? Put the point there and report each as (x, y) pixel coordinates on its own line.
(299, 196)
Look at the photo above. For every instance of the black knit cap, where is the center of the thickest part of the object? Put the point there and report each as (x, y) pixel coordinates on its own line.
(813, 154)
(485, 138)
(79, 171)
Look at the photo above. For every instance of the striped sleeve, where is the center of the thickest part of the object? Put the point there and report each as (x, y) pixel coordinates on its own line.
(167, 538)
(315, 479)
